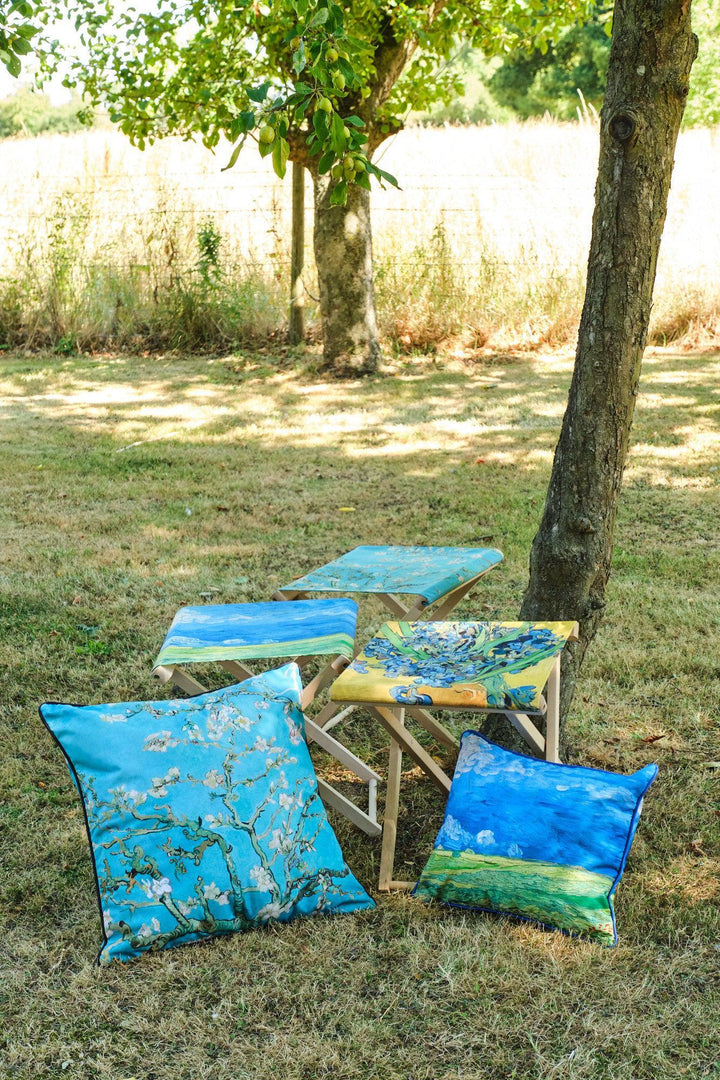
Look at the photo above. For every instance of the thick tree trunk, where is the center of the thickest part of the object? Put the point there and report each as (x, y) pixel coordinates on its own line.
(652, 51)
(343, 254)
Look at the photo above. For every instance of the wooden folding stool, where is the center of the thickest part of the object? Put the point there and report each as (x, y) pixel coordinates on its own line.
(435, 579)
(408, 668)
(232, 634)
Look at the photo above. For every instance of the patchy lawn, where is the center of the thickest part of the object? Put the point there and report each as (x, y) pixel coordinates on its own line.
(131, 486)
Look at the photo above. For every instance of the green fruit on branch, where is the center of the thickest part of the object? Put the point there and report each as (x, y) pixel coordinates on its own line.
(324, 105)
(331, 55)
(267, 134)
(336, 171)
(339, 80)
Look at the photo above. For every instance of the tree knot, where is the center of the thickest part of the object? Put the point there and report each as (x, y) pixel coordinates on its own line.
(624, 128)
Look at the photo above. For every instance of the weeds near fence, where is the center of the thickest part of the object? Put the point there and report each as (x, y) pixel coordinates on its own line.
(486, 246)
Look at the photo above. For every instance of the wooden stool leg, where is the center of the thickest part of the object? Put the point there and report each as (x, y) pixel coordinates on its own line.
(552, 715)
(390, 817)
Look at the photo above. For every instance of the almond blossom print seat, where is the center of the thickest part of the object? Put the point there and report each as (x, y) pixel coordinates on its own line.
(433, 579)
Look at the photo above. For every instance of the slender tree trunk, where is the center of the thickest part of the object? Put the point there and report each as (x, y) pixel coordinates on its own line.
(652, 52)
(343, 254)
(296, 322)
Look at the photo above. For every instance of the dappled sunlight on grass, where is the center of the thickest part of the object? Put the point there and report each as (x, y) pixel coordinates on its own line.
(135, 485)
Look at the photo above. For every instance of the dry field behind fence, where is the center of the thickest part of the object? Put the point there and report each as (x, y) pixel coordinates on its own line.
(488, 236)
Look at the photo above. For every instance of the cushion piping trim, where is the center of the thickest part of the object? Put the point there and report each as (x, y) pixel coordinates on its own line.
(91, 847)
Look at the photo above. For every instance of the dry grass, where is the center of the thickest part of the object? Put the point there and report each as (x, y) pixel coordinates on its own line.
(103, 459)
(486, 245)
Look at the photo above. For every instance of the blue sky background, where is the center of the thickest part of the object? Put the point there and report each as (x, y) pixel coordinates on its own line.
(514, 806)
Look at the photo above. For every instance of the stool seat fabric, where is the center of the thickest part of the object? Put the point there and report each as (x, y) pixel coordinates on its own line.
(455, 665)
(430, 572)
(267, 630)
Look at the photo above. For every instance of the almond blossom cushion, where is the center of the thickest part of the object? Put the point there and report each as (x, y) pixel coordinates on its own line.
(535, 839)
(203, 814)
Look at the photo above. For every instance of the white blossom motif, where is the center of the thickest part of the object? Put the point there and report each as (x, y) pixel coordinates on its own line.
(156, 887)
(213, 779)
(212, 892)
(295, 731)
(160, 742)
(127, 797)
(270, 911)
(262, 878)
(281, 842)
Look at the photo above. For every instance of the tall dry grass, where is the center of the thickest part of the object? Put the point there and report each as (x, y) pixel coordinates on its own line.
(486, 243)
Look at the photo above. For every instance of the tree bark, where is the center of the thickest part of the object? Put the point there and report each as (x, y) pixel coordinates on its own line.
(343, 254)
(651, 55)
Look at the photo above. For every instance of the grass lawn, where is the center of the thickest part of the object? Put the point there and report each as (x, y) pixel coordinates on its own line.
(132, 486)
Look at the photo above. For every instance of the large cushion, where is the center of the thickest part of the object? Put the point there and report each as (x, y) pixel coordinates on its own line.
(202, 814)
(535, 839)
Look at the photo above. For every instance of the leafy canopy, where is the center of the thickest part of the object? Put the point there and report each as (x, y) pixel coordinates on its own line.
(17, 29)
(292, 71)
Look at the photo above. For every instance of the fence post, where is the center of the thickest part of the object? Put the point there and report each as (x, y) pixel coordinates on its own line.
(296, 328)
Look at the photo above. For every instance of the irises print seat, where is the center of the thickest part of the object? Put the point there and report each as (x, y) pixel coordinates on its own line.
(455, 665)
(413, 667)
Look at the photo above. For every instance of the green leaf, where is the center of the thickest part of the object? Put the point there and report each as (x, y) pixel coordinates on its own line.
(338, 196)
(325, 163)
(320, 124)
(299, 59)
(234, 156)
(13, 65)
(354, 121)
(320, 17)
(280, 152)
(241, 125)
(266, 148)
(338, 140)
(363, 180)
(258, 93)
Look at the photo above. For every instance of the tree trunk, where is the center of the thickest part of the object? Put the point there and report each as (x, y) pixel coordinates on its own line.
(343, 254)
(296, 321)
(651, 55)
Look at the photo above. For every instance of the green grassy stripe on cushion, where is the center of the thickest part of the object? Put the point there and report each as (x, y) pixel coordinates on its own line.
(566, 897)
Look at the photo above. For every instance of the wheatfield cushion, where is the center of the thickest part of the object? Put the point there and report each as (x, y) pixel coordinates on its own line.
(203, 814)
(535, 839)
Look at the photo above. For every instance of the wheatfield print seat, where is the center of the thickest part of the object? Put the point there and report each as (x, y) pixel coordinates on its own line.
(411, 667)
(230, 635)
